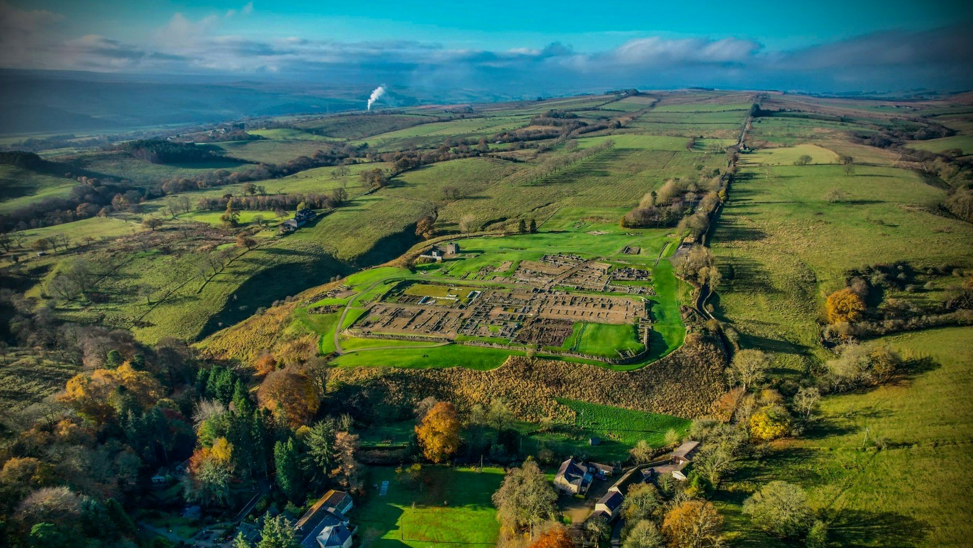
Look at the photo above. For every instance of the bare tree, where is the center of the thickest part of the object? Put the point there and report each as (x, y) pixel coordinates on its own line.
(749, 367)
(466, 223)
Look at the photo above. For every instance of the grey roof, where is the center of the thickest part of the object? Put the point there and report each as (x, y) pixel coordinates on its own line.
(612, 499)
(337, 537)
(573, 472)
(685, 449)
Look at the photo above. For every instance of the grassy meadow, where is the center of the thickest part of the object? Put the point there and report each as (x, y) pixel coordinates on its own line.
(888, 466)
(783, 242)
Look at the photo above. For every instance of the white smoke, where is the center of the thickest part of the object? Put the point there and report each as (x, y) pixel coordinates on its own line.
(376, 95)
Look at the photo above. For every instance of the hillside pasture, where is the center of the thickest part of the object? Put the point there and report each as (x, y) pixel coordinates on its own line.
(784, 241)
(886, 467)
(963, 143)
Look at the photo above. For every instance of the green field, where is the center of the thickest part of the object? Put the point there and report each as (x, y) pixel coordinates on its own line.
(783, 246)
(450, 507)
(961, 142)
(913, 489)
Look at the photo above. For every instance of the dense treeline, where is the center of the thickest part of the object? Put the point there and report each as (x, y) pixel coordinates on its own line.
(270, 202)
(75, 467)
(170, 152)
(688, 204)
(91, 197)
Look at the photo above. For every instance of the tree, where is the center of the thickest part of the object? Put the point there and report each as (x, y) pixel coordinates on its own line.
(597, 529)
(844, 305)
(806, 401)
(438, 432)
(641, 502)
(230, 217)
(533, 227)
(525, 499)
(781, 509)
(349, 471)
(425, 227)
(499, 416)
(240, 542)
(699, 264)
(466, 223)
(320, 442)
(555, 537)
(693, 524)
(644, 534)
(817, 536)
(836, 195)
(47, 535)
(152, 223)
(287, 462)
(246, 241)
(522, 227)
(770, 422)
(291, 395)
(249, 189)
(339, 196)
(278, 533)
(714, 463)
(642, 452)
(41, 245)
(803, 160)
(749, 367)
(209, 474)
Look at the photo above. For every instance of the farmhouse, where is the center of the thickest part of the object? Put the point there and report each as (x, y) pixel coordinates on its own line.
(300, 219)
(437, 253)
(573, 477)
(325, 524)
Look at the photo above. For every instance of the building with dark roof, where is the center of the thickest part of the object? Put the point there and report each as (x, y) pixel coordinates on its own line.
(325, 524)
(610, 503)
(573, 477)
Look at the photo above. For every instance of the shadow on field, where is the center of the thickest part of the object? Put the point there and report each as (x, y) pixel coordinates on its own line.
(824, 428)
(777, 346)
(745, 274)
(731, 230)
(853, 528)
(273, 284)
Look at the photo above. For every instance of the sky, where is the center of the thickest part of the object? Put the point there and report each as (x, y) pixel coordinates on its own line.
(534, 46)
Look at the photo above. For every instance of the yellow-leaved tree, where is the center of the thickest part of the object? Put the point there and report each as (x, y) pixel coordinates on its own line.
(844, 305)
(438, 432)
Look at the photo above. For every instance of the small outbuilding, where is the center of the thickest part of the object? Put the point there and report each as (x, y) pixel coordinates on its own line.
(684, 453)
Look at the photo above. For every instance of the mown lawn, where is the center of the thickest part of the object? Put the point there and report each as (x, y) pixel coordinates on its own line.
(447, 507)
(602, 339)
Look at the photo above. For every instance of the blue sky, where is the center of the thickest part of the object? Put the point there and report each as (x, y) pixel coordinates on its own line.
(841, 45)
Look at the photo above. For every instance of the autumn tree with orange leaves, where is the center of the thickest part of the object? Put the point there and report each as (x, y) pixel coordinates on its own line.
(844, 305)
(438, 432)
(95, 396)
(693, 524)
(210, 471)
(291, 395)
(556, 537)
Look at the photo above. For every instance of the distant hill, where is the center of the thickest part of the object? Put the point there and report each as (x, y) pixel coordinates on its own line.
(41, 102)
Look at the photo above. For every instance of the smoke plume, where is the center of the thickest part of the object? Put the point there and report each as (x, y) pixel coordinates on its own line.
(376, 95)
